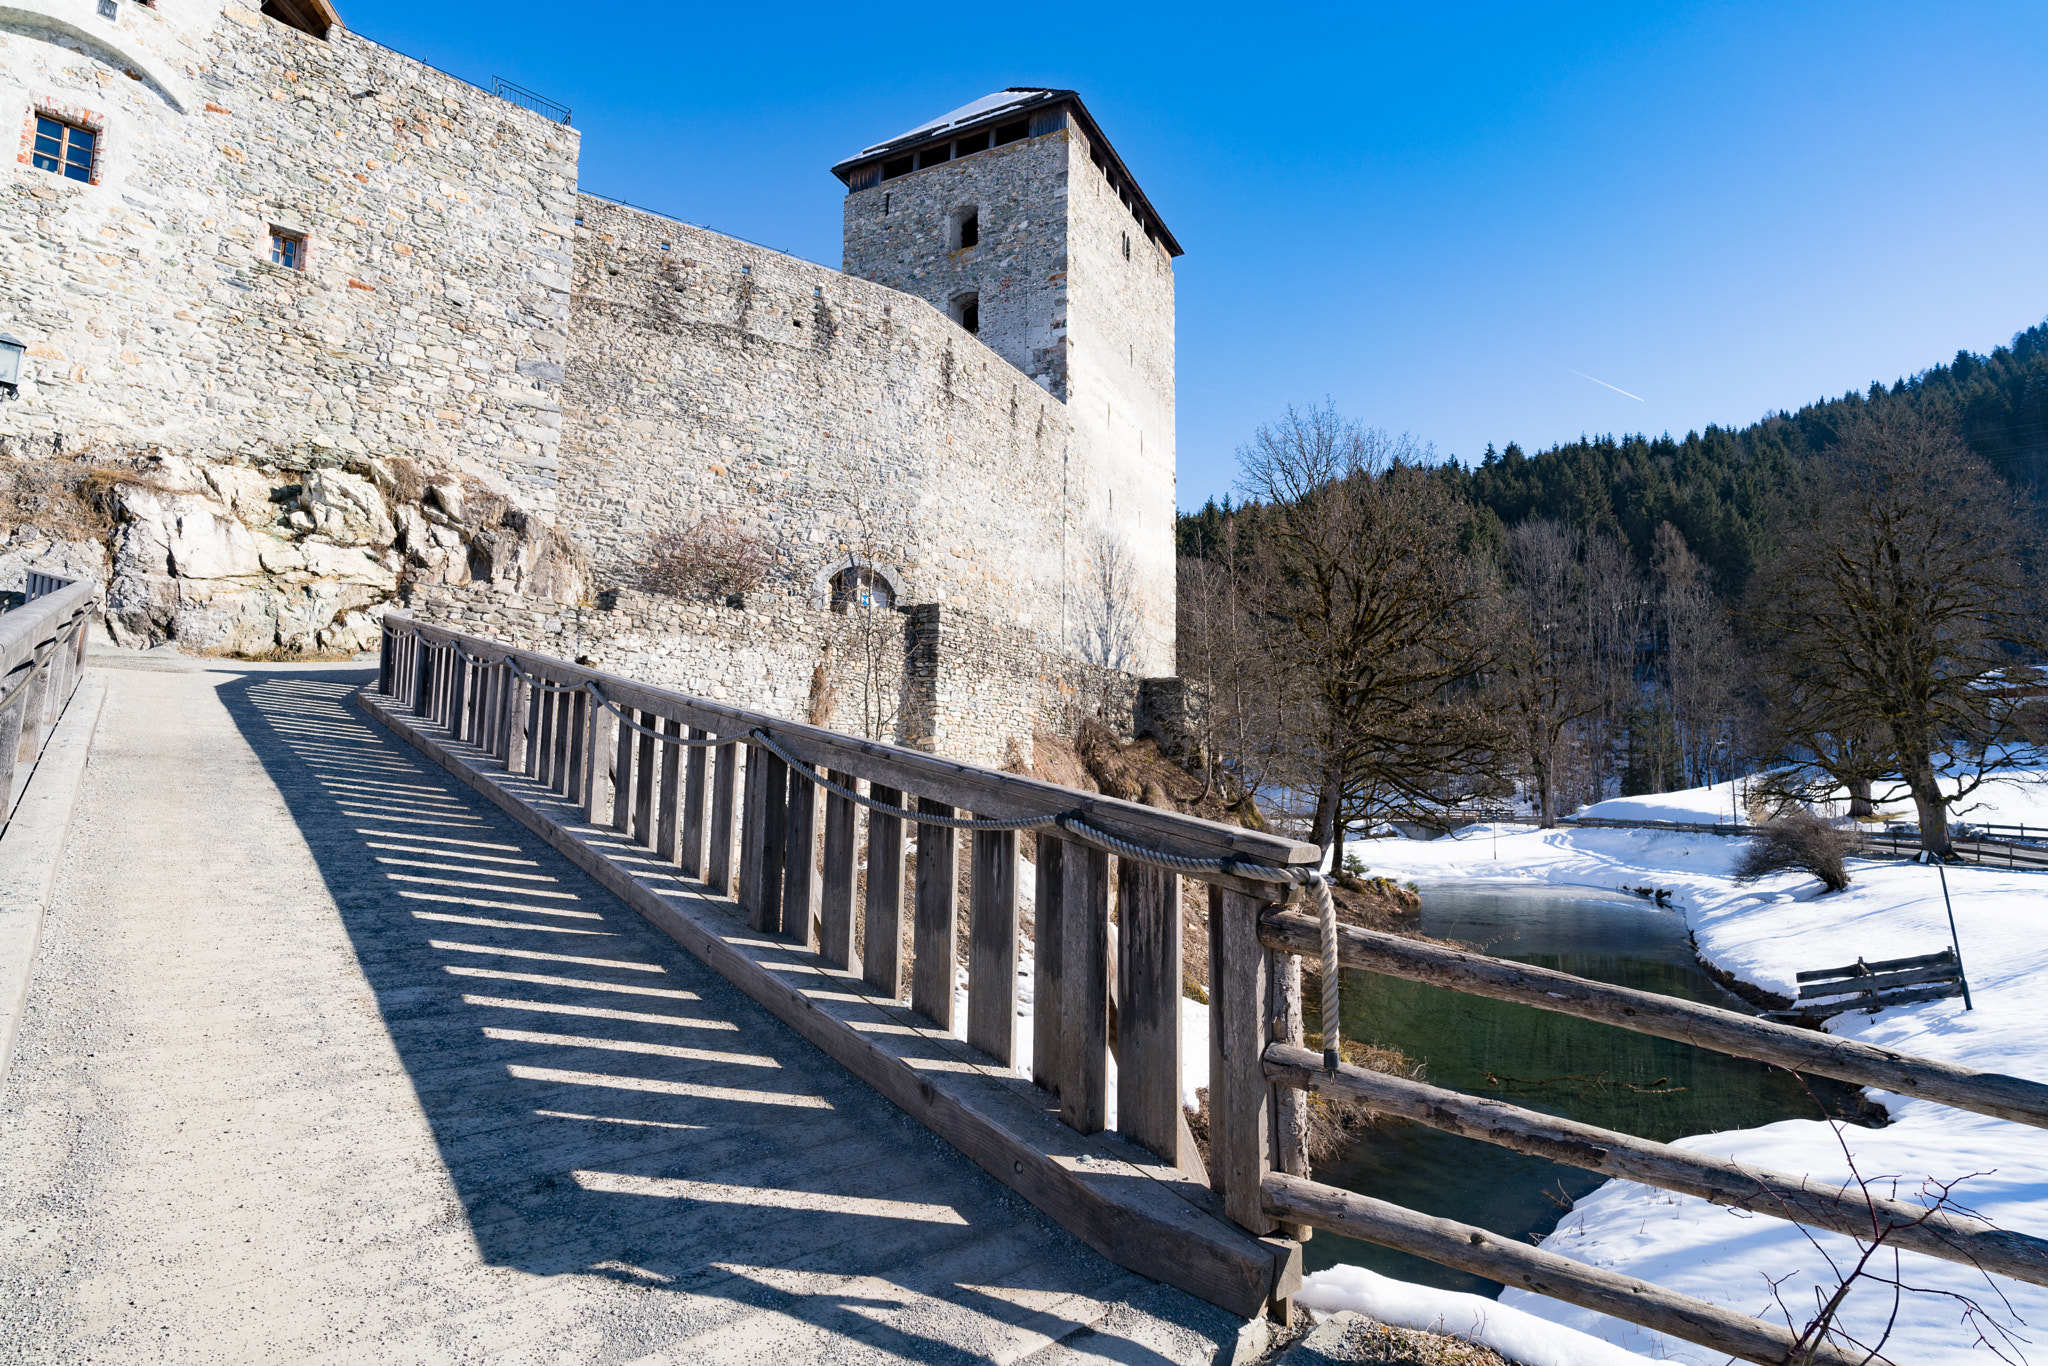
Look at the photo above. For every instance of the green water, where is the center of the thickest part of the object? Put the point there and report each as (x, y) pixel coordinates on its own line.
(1589, 1072)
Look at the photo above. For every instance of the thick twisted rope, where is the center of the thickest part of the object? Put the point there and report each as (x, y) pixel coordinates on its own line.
(1068, 823)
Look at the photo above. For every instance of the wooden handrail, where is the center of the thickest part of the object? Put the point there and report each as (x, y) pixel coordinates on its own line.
(1844, 1209)
(1450, 1243)
(968, 787)
(1724, 1031)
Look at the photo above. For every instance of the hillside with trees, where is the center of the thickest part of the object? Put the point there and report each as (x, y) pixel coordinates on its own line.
(1832, 592)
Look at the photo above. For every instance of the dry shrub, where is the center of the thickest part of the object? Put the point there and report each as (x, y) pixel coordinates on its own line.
(1335, 1123)
(404, 479)
(67, 500)
(483, 508)
(1797, 842)
(703, 559)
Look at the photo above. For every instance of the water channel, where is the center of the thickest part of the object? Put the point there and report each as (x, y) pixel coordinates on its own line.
(1589, 1072)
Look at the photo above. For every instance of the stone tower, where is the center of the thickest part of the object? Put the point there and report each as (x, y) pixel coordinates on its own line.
(1015, 217)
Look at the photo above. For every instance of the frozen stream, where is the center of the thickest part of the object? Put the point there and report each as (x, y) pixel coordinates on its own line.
(1589, 1072)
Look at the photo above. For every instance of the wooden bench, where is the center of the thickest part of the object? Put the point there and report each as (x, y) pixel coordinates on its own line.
(1828, 992)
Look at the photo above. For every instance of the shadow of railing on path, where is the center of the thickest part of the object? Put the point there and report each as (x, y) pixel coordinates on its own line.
(604, 1104)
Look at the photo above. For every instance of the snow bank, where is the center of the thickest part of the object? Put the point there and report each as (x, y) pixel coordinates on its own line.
(2019, 797)
(1765, 933)
(1715, 805)
(1518, 1336)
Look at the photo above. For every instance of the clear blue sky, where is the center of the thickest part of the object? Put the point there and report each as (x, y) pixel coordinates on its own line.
(1433, 215)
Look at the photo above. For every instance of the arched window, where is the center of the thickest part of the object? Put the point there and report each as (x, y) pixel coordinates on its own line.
(857, 586)
(967, 312)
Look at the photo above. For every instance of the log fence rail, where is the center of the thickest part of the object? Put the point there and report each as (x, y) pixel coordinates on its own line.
(769, 813)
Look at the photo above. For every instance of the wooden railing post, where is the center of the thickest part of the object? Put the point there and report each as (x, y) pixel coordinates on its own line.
(1083, 1006)
(835, 890)
(1240, 1097)
(1148, 964)
(458, 692)
(690, 847)
(668, 795)
(932, 930)
(992, 946)
(619, 754)
(881, 958)
(800, 859)
(10, 744)
(576, 772)
(718, 857)
(762, 838)
(1047, 944)
(422, 677)
(644, 766)
(594, 796)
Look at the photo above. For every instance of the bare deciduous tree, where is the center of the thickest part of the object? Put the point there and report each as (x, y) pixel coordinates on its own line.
(1367, 612)
(1549, 663)
(1899, 600)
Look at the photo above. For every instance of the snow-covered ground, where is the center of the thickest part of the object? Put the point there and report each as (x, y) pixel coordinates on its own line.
(2019, 797)
(1765, 933)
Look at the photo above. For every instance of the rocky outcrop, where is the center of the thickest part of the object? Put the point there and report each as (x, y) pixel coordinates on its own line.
(249, 560)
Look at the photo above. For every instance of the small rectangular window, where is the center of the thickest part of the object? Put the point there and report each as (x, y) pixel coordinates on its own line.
(65, 149)
(970, 145)
(287, 249)
(1013, 132)
(897, 167)
(970, 231)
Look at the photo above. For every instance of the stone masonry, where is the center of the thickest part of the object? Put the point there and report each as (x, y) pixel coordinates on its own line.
(590, 376)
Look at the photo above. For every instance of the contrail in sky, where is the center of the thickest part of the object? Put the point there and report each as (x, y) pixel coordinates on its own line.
(1605, 385)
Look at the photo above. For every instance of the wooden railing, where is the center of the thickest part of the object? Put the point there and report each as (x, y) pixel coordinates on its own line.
(42, 656)
(735, 800)
(708, 790)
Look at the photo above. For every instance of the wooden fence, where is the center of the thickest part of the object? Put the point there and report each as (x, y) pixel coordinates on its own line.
(731, 803)
(42, 656)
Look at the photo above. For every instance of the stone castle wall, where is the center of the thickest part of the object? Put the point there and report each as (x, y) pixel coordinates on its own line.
(474, 351)
(943, 679)
(830, 416)
(431, 315)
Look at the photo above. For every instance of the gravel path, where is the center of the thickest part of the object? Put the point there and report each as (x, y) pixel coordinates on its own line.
(324, 1058)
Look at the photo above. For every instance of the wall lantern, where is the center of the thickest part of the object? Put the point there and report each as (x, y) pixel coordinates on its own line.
(11, 350)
